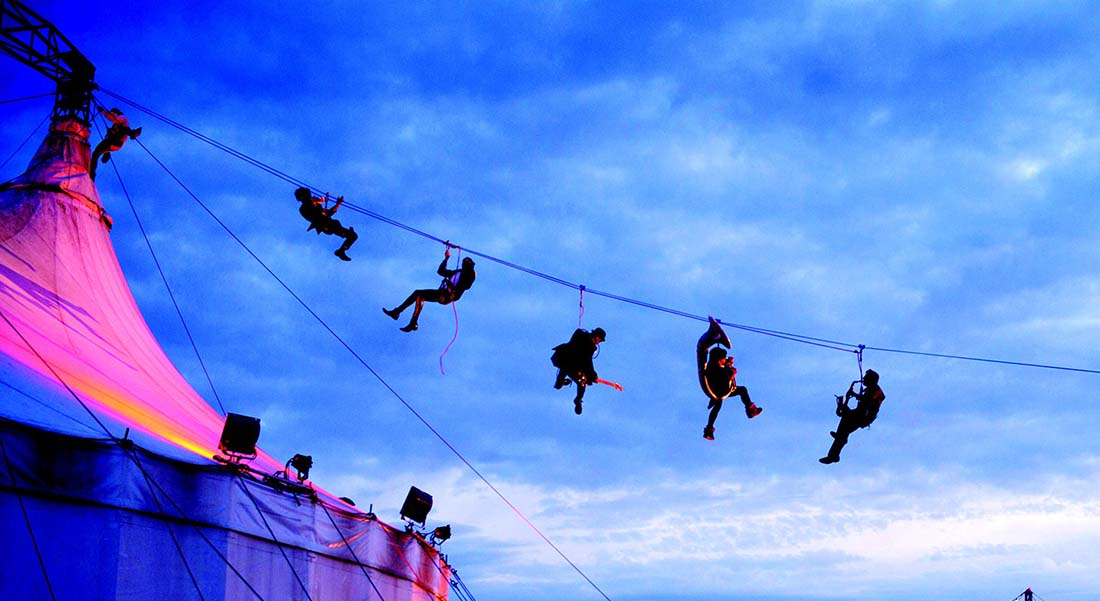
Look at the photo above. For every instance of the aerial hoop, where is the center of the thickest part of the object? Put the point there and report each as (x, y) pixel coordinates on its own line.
(714, 335)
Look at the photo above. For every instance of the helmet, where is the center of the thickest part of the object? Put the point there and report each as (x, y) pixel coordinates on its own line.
(717, 353)
(871, 377)
(303, 194)
(599, 333)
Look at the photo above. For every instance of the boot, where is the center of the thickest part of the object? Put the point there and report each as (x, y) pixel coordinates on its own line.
(751, 410)
(829, 459)
(577, 406)
(412, 327)
(343, 255)
(708, 432)
(393, 313)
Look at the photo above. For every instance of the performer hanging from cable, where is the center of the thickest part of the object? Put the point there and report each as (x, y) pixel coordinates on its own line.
(574, 362)
(319, 215)
(117, 134)
(718, 376)
(455, 282)
(868, 402)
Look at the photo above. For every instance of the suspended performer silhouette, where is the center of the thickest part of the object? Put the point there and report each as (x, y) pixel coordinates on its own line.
(718, 376)
(455, 282)
(868, 402)
(319, 215)
(574, 362)
(117, 134)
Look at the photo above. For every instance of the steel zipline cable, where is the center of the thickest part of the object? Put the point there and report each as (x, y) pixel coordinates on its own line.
(372, 371)
(789, 336)
(793, 337)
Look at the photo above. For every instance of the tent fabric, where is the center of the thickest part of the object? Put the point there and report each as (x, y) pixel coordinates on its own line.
(79, 367)
(104, 516)
(73, 318)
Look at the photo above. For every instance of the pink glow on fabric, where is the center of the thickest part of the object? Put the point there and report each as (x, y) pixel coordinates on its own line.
(63, 290)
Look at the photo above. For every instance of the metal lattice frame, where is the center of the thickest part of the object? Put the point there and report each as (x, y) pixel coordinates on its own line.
(35, 42)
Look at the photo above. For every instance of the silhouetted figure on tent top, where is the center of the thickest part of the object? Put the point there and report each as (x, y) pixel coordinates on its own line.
(455, 282)
(869, 400)
(718, 376)
(574, 362)
(1027, 594)
(319, 215)
(117, 134)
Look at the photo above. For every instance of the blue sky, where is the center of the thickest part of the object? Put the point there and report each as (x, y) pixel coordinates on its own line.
(915, 176)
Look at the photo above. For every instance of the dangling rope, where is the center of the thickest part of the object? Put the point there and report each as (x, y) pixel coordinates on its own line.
(454, 308)
(376, 375)
(580, 317)
(793, 337)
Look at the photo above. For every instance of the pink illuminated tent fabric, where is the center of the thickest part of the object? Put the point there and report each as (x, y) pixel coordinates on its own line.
(78, 366)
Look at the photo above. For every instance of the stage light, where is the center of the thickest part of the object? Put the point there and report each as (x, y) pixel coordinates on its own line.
(239, 436)
(441, 534)
(417, 505)
(301, 463)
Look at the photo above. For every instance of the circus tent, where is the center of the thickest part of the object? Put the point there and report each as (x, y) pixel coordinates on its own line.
(108, 484)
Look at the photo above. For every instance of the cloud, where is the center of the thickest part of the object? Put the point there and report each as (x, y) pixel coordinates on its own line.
(774, 530)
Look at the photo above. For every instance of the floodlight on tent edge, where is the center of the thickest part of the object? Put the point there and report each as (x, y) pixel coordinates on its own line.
(238, 439)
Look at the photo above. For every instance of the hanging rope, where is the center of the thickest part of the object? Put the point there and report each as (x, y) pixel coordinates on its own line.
(804, 339)
(370, 369)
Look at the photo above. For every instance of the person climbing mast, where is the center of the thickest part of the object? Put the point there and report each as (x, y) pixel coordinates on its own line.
(117, 134)
(319, 215)
(574, 362)
(718, 376)
(868, 402)
(455, 282)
